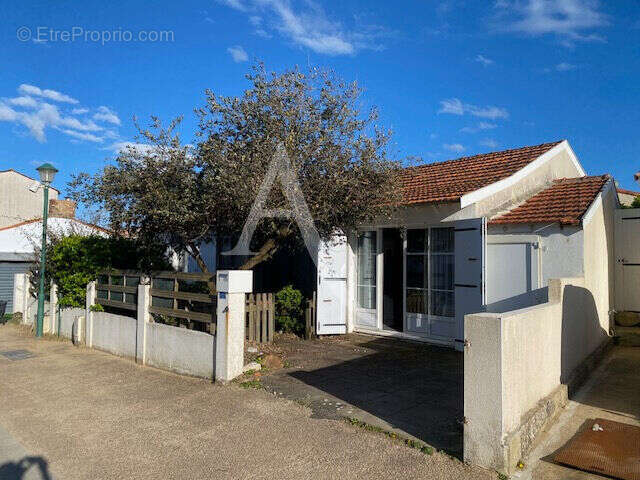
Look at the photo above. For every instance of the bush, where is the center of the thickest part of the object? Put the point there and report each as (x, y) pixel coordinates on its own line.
(289, 310)
(76, 260)
(636, 202)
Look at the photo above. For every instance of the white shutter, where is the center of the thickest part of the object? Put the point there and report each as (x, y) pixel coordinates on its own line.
(470, 250)
(331, 308)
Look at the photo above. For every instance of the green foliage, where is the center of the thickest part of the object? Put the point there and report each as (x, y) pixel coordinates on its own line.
(636, 202)
(96, 308)
(74, 261)
(289, 310)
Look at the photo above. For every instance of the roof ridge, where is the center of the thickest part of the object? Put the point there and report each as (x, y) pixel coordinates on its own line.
(581, 179)
(496, 152)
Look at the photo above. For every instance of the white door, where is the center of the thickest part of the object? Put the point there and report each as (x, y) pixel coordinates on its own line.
(627, 239)
(331, 309)
(470, 251)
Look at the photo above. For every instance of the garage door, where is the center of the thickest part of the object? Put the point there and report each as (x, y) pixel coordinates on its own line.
(7, 271)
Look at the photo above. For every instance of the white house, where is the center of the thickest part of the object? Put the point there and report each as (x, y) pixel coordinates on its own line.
(475, 234)
(18, 241)
(21, 198)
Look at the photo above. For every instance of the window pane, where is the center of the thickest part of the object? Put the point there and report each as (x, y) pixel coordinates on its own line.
(367, 297)
(417, 301)
(442, 272)
(441, 240)
(367, 269)
(417, 271)
(367, 258)
(416, 240)
(442, 304)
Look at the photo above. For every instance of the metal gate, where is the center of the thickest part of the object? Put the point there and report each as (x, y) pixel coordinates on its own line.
(627, 253)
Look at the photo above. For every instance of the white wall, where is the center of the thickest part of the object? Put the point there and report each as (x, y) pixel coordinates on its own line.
(516, 359)
(68, 321)
(17, 202)
(180, 350)
(114, 334)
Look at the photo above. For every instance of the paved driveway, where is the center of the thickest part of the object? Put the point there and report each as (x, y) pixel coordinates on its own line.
(87, 414)
(413, 389)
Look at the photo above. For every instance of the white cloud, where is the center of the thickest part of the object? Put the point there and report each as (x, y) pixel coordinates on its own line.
(120, 147)
(565, 67)
(89, 137)
(455, 106)
(46, 93)
(238, 54)
(569, 19)
(484, 60)
(453, 147)
(37, 115)
(488, 142)
(308, 26)
(24, 101)
(480, 126)
(105, 114)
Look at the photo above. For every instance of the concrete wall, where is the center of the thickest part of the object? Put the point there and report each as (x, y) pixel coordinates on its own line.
(17, 202)
(180, 350)
(114, 334)
(518, 359)
(69, 321)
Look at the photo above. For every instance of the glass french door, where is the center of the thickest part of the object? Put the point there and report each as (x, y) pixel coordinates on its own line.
(429, 292)
(366, 287)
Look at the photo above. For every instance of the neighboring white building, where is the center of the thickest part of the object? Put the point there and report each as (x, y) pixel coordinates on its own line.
(17, 244)
(476, 234)
(21, 198)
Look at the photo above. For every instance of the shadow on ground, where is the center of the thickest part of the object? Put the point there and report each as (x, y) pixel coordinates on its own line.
(410, 388)
(27, 468)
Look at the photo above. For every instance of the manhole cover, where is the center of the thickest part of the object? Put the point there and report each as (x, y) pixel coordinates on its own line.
(17, 354)
(605, 447)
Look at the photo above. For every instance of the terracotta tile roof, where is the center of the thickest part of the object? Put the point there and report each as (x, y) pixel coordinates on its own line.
(450, 180)
(627, 192)
(566, 201)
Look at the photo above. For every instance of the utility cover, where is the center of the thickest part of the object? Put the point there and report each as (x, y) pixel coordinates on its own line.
(604, 447)
(17, 354)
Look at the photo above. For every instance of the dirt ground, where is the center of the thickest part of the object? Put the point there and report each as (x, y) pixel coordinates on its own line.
(90, 415)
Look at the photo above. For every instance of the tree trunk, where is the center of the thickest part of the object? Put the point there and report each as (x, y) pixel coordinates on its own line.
(266, 252)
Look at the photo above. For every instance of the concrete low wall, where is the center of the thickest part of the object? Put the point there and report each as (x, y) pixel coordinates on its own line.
(114, 334)
(517, 368)
(69, 321)
(180, 350)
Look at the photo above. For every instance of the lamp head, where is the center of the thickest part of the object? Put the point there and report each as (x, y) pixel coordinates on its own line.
(47, 172)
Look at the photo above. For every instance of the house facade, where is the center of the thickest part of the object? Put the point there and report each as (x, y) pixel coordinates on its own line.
(21, 198)
(476, 234)
(18, 242)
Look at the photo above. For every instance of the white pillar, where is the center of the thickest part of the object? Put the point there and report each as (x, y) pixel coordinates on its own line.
(53, 310)
(232, 286)
(20, 281)
(143, 317)
(88, 314)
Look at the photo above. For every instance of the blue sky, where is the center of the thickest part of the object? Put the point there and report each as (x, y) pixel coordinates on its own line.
(451, 78)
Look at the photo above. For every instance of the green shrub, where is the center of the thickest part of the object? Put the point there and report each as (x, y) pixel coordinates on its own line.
(289, 310)
(96, 308)
(75, 260)
(636, 202)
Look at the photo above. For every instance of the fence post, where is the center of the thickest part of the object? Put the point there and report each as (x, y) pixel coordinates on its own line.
(53, 309)
(143, 316)
(232, 286)
(88, 313)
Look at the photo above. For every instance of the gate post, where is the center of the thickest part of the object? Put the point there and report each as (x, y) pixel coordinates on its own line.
(232, 287)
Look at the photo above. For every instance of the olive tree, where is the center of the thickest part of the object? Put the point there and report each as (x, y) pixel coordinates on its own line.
(188, 195)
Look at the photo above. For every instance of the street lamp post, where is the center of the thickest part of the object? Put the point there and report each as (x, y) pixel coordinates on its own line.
(47, 172)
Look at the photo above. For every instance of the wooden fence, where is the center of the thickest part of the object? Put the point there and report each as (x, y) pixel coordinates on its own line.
(260, 313)
(174, 295)
(310, 318)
